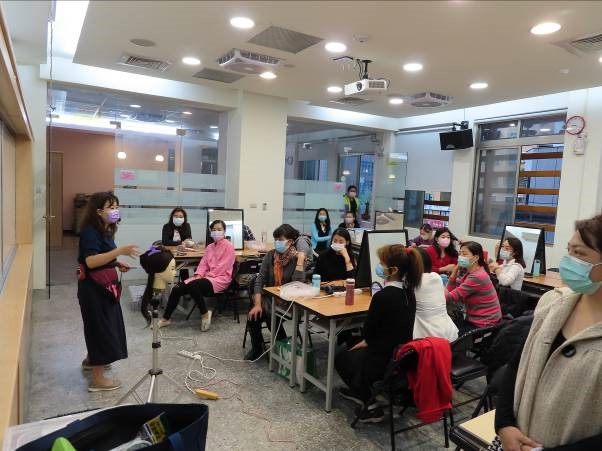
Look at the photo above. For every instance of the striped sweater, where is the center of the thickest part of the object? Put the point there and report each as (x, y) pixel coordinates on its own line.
(478, 294)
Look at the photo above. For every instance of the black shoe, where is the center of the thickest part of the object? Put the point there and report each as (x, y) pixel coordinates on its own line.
(346, 393)
(372, 415)
(253, 354)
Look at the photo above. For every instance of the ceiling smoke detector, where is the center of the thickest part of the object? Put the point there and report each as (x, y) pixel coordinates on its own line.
(429, 100)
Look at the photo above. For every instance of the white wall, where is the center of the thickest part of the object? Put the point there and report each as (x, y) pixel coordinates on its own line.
(34, 92)
(429, 168)
(580, 187)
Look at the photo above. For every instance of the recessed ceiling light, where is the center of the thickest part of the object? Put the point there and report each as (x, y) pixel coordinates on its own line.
(395, 100)
(121, 155)
(392, 176)
(513, 125)
(213, 126)
(242, 22)
(188, 113)
(544, 130)
(159, 158)
(170, 121)
(124, 115)
(478, 85)
(412, 67)
(334, 89)
(335, 47)
(346, 172)
(268, 75)
(600, 59)
(135, 106)
(191, 61)
(545, 28)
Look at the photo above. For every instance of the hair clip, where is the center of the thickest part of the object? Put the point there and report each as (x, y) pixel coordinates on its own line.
(153, 250)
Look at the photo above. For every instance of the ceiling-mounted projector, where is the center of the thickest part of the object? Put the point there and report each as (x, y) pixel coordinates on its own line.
(366, 86)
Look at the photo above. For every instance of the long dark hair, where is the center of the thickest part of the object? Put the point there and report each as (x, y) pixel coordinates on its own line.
(407, 260)
(287, 231)
(476, 249)
(449, 250)
(426, 260)
(177, 210)
(153, 261)
(343, 233)
(356, 224)
(517, 250)
(99, 201)
(317, 222)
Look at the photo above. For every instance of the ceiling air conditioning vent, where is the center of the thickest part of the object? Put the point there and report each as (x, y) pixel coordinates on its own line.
(245, 62)
(428, 100)
(218, 75)
(283, 39)
(351, 101)
(144, 63)
(583, 46)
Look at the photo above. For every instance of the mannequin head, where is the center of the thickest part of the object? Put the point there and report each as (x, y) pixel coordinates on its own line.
(160, 266)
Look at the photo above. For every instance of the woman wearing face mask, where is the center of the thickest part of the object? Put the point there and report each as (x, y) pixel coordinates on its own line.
(349, 221)
(470, 284)
(279, 266)
(212, 275)
(390, 323)
(177, 229)
(512, 271)
(552, 391)
(99, 289)
(337, 263)
(425, 239)
(352, 203)
(321, 231)
(443, 253)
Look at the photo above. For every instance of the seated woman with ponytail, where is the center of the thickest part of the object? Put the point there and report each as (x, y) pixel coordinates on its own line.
(213, 275)
(470, 284)
(390, 323)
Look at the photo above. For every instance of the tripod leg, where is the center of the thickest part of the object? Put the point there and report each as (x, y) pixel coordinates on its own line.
(132, 391)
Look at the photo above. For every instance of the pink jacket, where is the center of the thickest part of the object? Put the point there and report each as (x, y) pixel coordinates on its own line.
(216, 265)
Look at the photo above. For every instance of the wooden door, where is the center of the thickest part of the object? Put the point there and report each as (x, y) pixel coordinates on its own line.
(55, 200)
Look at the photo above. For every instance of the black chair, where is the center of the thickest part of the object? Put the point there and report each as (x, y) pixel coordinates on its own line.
(394, 387)
(487, 399)
(232, 293)
(515, 302)
(466, 352)
(229, 289)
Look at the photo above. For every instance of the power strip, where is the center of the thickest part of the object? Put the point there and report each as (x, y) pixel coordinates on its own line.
(190, 355)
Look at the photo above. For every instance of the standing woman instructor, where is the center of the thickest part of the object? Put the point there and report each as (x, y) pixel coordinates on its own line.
(99, 289)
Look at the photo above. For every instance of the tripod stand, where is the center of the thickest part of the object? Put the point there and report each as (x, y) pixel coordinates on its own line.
(154, 373)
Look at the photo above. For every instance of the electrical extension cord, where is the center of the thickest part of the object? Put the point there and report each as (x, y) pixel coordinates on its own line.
(190, 355)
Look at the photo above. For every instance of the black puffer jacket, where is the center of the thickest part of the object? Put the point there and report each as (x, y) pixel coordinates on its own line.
(507, 341)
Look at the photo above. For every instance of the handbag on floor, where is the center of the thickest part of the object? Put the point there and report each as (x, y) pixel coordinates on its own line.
(110, 428)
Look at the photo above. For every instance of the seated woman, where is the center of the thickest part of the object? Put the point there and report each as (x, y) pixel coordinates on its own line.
(321, 231)
(425, 239)
(337, 262)
(177, 229)
(470, 284)
(551, 395)
(349, 221)
(213, 275)
(390, 323)
(443, 253)
(512, 271)
(279, 266)
(432, 319)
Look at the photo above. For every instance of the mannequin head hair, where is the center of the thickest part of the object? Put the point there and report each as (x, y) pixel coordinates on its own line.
(154, 261)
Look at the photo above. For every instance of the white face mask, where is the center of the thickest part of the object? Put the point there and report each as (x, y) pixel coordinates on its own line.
(337, 247)
(217, 235)
(178, 221)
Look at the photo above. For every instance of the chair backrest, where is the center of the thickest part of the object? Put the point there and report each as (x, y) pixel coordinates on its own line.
(475, 340)
(515, 302)
(250, 266)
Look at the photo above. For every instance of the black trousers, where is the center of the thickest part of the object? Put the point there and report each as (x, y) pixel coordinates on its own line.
(359, 369)
(197, 289)
(254, 326)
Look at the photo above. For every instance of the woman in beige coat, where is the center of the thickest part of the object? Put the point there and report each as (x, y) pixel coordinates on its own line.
(552, 397)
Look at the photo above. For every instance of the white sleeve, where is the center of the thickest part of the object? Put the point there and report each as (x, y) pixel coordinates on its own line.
(509, 274)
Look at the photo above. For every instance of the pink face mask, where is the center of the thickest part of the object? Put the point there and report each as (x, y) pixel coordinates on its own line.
(444, 242)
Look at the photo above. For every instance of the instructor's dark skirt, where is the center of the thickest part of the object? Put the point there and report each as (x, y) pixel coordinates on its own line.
(104, 330)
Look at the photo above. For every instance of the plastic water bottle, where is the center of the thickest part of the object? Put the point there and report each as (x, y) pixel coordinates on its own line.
(444, 279)
(315, 281)
(349, 291)
(536, 267)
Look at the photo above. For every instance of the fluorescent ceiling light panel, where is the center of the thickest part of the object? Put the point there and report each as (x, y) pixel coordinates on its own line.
(68, 22)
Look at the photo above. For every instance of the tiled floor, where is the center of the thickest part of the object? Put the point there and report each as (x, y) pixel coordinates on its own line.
(58, 386)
